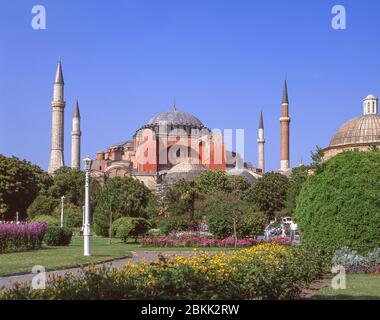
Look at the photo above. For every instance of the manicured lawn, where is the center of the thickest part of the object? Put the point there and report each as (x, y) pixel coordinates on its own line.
(359, 287)
(62, 257)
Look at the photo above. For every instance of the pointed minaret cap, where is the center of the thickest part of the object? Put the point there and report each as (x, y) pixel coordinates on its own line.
(59, 73)
(76, 109)
(174, 106)
(261, 123)
(285, 93)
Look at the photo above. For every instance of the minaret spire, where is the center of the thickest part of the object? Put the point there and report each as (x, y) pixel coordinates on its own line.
(260, 143)
(59, 73)
(285, 98)
(76, 138)
(58, 107)
(285, 124)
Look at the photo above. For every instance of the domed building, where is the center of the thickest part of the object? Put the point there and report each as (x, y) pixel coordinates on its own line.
(172, 143)
(360, 133)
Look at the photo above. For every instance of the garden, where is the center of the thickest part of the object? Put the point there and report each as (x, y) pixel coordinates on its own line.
(219, 218)
(263, 271)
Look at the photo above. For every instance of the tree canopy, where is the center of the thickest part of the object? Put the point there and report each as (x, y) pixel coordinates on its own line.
(269, 193)
(124, 197)
(20, 182)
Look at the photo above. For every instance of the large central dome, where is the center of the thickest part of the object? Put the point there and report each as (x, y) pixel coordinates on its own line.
(360, 130)
(176, 118)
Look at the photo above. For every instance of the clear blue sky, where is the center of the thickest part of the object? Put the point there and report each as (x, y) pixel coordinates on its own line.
(222, 61)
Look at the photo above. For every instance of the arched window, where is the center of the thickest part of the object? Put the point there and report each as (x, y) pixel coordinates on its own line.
(178, 153)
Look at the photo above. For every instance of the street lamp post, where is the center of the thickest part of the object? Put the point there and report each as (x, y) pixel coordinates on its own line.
(62, 208)
(87, 231)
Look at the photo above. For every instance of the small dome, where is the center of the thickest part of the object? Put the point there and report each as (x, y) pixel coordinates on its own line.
(360, 130)
(186, 170)
(370, 96)
(176, 118)
(187, 165)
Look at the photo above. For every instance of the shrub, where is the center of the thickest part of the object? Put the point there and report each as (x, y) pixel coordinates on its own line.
(73, 215)
(374, 256)
(340, 206)
(220, 225)
(19, 237)
(127, 227)
(349, 258)
(57, 236)
(251, 225)
(51, 221)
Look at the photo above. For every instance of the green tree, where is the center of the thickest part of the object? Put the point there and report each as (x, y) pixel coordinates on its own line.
(123, 197)
(317, 159)
(252, 224)
(268, 194)
(70, 183)
(227, 216)
(238, 185)
(180, 198)
(297, 179)
(213, 181)
(42, 205)
(20, 182)
(340, 206)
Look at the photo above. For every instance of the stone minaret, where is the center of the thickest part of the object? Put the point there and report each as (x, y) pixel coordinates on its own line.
(57, 134)
(260, 142)
(285, 123)
(75, 138)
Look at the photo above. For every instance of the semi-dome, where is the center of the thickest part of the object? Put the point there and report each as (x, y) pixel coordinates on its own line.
(176, 118)
(360, 130)
(188, 169)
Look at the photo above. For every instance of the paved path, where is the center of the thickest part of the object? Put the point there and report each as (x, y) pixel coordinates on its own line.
(137, 257)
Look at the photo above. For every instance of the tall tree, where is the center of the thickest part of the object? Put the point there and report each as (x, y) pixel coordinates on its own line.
(121, 197)
(20, 182)
(268, 194)
(180, 198)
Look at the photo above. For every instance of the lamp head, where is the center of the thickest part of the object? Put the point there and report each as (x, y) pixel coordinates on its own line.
(87, 162)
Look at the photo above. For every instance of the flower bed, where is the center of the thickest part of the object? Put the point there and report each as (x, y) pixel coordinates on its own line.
(20, 237)
(264, 271)
(192, 242)
(353, 262)
(199, 241)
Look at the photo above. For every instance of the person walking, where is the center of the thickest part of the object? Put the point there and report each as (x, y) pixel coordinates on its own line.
(293, 228)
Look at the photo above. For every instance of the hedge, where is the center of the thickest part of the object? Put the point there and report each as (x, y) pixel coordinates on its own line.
(340, 205)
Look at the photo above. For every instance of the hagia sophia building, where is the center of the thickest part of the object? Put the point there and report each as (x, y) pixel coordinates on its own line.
(176, 145)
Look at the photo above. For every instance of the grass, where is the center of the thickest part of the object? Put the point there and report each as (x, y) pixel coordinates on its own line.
(62, 257)
(65, 257)
(358, 287)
